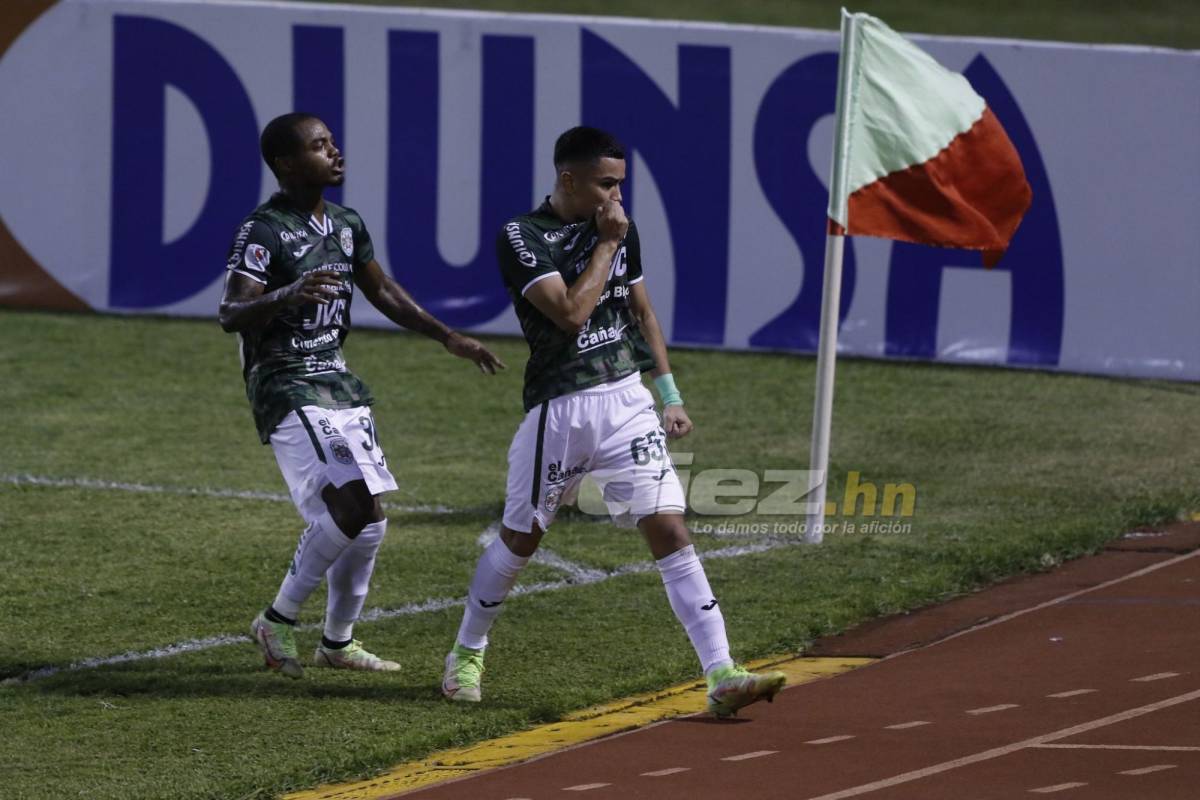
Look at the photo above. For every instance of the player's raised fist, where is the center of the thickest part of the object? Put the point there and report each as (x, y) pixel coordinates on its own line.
(611, 221)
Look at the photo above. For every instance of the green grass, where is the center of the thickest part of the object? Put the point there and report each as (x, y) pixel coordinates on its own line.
(1014, 471)
(1165, 23)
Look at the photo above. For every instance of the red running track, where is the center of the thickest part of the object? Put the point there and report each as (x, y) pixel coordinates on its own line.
(1081, 684)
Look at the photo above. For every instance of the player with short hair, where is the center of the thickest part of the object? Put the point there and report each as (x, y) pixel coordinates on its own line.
(291, 275)
(573, 268)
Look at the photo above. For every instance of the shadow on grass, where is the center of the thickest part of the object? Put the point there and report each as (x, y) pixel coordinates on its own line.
(254, 682)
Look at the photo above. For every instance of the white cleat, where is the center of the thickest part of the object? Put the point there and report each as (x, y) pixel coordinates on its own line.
(352, 656)
(464, 673)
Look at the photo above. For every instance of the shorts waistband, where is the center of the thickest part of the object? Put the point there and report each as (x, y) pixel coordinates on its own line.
(619, 385)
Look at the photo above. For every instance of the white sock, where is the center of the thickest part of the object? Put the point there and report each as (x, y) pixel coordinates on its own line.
(696, 607)
(495, 575)
(320, 545)
(348, 579)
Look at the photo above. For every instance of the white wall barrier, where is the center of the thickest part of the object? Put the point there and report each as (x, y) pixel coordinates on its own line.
(129, 132)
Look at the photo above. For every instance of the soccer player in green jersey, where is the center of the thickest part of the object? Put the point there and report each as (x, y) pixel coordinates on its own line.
(573, 268)
(292, 271)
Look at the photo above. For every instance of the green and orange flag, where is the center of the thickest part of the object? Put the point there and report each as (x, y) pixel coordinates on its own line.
(919, 157)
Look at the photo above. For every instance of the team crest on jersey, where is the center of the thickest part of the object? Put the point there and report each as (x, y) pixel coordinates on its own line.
(553, 498)
(257, 257)
(346, 239)
(341, 450)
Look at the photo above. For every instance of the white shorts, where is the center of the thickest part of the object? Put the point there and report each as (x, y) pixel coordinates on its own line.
(316, 447)
(611, 432)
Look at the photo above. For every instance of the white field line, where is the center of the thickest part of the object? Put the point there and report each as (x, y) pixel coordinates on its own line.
(577, 572)
(187, 491)
(374, 614)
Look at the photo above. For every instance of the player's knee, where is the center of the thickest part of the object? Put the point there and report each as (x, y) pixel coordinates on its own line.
(666, 533)
(352, 507)
(521, 544)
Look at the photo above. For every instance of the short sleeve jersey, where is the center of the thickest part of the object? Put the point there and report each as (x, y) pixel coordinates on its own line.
(609, 346)
(296, 359)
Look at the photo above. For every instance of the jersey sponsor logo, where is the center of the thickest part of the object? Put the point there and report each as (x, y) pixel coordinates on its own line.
(512, 232)
(304, 248)
(316, 343)
(257, 257)
(620, 264)
(346, 240)
(290, 236)
(556, 474)
(239, 243)
(331, 314)
(561, 233)
(313, 365)
(600, 337)
(619, 290)
(341, 450)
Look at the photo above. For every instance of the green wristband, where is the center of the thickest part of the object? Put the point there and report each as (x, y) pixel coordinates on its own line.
(667, 391)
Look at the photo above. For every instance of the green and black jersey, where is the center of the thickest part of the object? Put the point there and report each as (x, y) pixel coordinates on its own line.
(610, 345)
(296, 358)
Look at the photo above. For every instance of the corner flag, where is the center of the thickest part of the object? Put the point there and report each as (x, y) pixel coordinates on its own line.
(918, 157)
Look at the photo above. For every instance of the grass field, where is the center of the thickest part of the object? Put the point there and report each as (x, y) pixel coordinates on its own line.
(1014, 471)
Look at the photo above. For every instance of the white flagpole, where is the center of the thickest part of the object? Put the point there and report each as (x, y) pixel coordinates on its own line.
(832, 291)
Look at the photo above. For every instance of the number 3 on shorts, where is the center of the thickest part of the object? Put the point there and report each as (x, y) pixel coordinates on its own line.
(372, 440)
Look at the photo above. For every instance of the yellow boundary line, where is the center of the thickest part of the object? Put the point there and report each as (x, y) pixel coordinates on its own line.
(575, 729)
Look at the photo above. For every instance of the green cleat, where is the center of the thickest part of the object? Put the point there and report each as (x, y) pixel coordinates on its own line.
(352, 656)
(464, 671)
(277, 642)
(731, 688)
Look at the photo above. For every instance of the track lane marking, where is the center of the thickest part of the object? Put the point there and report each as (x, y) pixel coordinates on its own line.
(1058, 787)
(1158, 676)
(903, 726)
(1170, 748)
(1148, 770)
(975, 712)
(747, 756)
(1072, 693)
(1047, 604)
(997, 752)
(658, 773)
(831, 739)
(585, 787)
